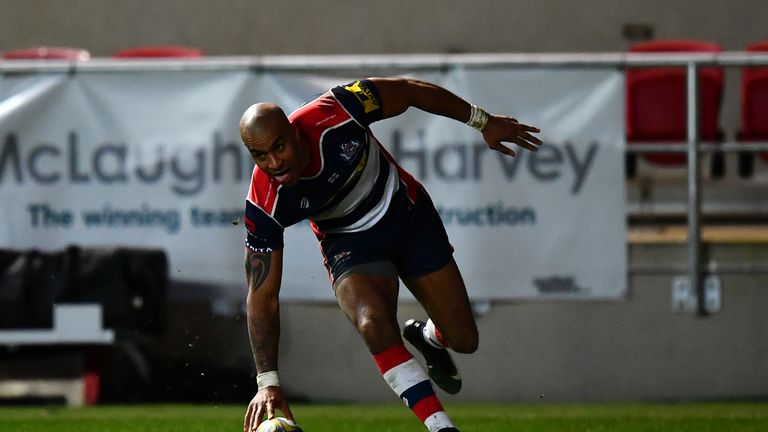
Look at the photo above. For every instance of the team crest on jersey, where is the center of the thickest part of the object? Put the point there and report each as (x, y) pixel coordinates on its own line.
(364, 95)
(349, 150)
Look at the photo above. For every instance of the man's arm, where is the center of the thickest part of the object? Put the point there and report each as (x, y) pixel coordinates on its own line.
(398, 94)
(263, 272)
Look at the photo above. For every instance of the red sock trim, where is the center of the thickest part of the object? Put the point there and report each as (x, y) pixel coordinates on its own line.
(392, 357)
(426, 407)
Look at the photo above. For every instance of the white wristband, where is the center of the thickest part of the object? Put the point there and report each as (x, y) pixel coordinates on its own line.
(267, 379)
(478, 118)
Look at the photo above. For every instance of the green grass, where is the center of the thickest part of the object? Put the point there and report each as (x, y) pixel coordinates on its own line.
(700, 417)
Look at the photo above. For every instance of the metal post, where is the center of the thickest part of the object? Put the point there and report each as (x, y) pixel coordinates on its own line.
(694, 187)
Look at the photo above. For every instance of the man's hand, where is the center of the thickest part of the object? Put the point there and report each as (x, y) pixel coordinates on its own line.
(506, 129)
(266, 401)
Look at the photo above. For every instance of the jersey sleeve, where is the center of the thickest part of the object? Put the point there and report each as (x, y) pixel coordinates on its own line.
(263, 233)
(361, 100)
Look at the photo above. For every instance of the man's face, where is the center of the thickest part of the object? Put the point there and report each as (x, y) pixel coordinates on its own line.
(279, 153)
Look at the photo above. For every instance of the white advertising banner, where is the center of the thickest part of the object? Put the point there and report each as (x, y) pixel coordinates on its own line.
(153, 160)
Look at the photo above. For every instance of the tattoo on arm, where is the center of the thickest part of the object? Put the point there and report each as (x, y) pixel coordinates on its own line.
(257, 268)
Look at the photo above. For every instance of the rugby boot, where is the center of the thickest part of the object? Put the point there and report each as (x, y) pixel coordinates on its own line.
(440, 366)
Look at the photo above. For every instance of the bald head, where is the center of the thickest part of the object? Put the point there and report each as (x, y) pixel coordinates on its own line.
(274, 143)
(261, 120)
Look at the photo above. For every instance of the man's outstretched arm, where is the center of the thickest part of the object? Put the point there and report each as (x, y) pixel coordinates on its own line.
(398, 94)
(263, 271)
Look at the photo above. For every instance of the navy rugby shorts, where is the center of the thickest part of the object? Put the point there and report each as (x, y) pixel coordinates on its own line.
(409, 241)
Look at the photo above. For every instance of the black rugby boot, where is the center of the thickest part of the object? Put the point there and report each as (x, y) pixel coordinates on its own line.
(440, 366)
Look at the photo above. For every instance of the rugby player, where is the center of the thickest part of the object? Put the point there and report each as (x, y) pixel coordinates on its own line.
(375, 223)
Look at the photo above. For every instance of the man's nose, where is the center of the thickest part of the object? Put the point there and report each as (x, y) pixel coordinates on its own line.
(275, 163)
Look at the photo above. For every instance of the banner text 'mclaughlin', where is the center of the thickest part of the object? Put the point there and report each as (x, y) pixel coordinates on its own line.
(188, 170)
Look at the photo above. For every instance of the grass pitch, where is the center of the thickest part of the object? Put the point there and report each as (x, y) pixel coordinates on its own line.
(704, 417)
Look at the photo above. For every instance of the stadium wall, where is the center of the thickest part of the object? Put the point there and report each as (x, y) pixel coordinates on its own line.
(243, 27)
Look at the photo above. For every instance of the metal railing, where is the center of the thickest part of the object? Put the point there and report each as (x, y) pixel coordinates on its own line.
(396, 61)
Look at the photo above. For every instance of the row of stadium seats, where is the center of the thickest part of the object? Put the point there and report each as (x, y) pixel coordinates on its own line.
(63, 53)
(656, 105)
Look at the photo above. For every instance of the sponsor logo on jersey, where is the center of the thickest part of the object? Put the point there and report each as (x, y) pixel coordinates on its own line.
(339, 258)
(330, 117)
(364, 95)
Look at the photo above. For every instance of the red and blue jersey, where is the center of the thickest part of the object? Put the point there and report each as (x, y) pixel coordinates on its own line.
(350, 182)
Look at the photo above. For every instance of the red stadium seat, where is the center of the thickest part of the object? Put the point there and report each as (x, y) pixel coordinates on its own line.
(754, 101)
(47, 53)
(656, 100)
(162, 51)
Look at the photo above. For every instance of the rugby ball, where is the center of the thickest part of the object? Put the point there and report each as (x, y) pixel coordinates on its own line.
(278, 424)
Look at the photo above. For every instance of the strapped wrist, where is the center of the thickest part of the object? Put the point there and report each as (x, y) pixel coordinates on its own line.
(267, 379)
(478, 118)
